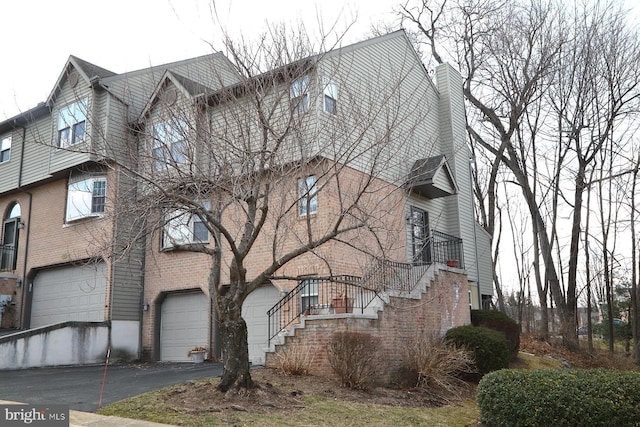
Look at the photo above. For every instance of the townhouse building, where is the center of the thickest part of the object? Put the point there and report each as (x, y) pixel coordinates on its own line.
(366, 116)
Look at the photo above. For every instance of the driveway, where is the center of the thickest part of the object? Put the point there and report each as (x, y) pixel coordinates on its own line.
(79, 386)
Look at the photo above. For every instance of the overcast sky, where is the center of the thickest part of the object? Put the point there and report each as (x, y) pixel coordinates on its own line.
(37, 36)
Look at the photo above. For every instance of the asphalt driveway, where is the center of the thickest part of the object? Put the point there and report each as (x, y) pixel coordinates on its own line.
(79, 386)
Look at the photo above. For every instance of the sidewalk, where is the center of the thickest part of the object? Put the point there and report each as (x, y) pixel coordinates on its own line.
(88, 419)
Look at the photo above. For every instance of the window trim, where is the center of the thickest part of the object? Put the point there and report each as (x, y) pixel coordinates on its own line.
(308, 195)
(75, 130)
(169, 144)
(184, 231)
(5, 147)
(329, 91)
(93, 205)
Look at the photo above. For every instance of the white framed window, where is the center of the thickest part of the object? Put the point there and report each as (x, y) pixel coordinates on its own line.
(329, 96)
(308, 293)
(169, 143)
(299, 94)
(72, 120)
(5, 148)
(184, 228)
(86, 198)
(307, 195)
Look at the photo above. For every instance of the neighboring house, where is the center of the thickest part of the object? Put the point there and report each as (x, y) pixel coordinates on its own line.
(57, 198)
(61, 167)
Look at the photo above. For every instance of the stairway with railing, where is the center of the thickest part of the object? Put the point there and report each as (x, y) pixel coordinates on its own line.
(353, 294)
(316, 295)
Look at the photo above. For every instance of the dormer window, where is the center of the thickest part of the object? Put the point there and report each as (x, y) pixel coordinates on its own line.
(299, 95)
(169, 144)
(72, 121)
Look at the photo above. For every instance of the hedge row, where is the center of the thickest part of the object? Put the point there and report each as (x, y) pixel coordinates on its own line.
(559, 398)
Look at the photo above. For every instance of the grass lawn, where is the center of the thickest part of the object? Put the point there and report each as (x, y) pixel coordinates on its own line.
(316, 411)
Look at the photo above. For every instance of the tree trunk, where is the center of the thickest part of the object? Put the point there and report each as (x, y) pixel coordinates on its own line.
(635, 311)
(235, 350)
(572, 303)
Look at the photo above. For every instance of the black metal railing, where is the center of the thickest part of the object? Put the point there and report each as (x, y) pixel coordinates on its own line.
(348, 294)
(394, 276)
(446, 249)
(7, 257)
(313, 296)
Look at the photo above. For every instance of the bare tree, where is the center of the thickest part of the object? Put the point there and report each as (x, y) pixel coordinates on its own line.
(249, 161)
(517, 59)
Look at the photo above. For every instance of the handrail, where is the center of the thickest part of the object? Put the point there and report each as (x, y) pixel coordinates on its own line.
(346, 293)
(446, 248)
(315, 295)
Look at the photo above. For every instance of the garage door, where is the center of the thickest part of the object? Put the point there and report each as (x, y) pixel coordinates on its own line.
(69, 293)
(254, 313)
(183, 325)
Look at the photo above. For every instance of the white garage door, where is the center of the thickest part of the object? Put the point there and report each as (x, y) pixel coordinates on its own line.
(69, 293)
(254, 313)
(183, 326)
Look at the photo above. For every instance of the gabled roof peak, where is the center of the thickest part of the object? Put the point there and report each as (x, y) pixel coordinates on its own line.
(88, 69)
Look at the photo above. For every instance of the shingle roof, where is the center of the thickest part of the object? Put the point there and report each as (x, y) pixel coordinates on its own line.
(90, 69)
(194, 88)
(425, 169)
(421, 178)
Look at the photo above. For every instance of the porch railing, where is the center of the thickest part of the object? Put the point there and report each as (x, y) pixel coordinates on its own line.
(446, 249)
(7, 257)
(330, 295)
(349, 294)
(394, 276)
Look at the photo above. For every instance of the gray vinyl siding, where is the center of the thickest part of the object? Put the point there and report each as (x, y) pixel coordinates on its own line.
(127, 274)
(37, 151)
(383, 85)
(118, 140)
(485, 264)
(10, 170)
(454, 146)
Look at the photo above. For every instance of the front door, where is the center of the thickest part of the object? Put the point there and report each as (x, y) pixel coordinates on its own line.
(421, 243)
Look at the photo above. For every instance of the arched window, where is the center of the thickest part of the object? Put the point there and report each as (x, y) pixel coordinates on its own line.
(15, 211)
(9, 245)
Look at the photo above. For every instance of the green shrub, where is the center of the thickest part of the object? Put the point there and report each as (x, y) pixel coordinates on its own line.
(490, 348)
(559, 398)
(499, 321)
(355, 358)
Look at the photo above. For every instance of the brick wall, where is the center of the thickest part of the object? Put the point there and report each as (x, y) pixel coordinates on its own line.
(445, 304)
(173, 271)
(51, 241)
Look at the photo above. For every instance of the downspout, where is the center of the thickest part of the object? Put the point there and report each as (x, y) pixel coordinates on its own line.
(28, 226)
